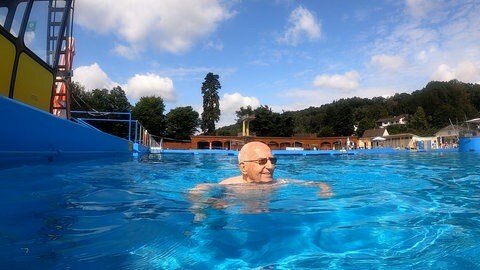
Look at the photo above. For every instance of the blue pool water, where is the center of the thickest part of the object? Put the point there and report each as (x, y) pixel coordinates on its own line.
(393, 211)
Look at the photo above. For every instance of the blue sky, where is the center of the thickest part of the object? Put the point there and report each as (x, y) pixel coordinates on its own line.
(288, 55)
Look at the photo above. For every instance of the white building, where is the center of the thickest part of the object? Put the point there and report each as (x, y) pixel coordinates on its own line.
(389, 121)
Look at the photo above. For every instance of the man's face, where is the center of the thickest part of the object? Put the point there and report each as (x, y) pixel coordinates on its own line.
(259, 166)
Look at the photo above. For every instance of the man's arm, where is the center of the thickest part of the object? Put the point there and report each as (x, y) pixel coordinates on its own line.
(195, 196)
(197, 192)
(325, 189)
(200, 201)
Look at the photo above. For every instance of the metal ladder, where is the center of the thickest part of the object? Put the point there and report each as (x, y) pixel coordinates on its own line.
(60, 51)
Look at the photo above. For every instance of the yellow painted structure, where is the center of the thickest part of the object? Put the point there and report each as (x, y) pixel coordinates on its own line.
(7, 56)
(246, 124)
(33, 83)
(246, 128)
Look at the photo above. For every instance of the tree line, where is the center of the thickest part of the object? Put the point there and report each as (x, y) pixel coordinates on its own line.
(179, 123)
(427, 110)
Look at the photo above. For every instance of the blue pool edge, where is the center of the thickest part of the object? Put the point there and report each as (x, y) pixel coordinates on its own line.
(305, 152)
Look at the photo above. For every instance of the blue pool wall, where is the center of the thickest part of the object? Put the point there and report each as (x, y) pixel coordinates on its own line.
(30, 133)
(469, 144)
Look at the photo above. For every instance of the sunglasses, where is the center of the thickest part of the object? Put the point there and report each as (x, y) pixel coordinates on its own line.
(263, 161)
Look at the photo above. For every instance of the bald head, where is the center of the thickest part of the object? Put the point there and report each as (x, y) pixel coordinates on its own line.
(252, 150)
(256, 164)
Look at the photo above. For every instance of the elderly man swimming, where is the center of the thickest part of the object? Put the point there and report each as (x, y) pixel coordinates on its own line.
(257, 165)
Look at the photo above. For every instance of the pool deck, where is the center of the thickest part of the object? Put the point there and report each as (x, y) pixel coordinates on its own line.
(306, 152)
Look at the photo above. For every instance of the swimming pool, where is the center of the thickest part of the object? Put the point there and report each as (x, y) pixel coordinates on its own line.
(410, 210)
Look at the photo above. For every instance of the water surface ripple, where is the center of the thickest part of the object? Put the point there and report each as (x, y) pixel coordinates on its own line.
(414, 211)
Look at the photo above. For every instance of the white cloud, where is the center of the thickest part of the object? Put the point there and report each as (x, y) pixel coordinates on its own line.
(418, 8)
(230, 103)
(387, 62)
(129, 52)
(308, 96)
(405, 40)
(302, 23)
(233, 102)
(443, 73)
(169, 25)
(468, 72)
(425, 54)
(140, 85)
(465, 71)
(432, 47)
(92, 77)
(150, 85)
(29, 39)
(347, 81)
(216, 45)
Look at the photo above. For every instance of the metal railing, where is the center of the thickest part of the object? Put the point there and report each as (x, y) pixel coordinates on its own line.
(136, 132)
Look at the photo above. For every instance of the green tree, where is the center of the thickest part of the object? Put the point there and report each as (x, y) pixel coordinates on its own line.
(243, 112)
(418, 122)
(150, 112)
(102, 100)
(286, 126)
(182, 122)
(78, 94)
(266, 122)
(118, 101)
(443, 115)
(326, 131)
(308, 120)
(232, 130)
(344, 121)
(328, 121)
(211, 103)
(340, 117)
(474, 93)
(363, 125)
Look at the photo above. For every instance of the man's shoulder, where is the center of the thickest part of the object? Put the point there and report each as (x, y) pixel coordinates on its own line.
(232, 180)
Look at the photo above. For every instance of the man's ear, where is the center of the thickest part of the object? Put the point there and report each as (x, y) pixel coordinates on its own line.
(243, 168)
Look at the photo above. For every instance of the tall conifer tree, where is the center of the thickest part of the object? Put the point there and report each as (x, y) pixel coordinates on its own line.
(211, 103)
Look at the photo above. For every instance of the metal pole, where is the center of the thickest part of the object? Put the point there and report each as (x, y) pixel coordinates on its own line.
(130, 126)
(136, 130)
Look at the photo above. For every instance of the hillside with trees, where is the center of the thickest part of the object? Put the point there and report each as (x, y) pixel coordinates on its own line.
(435, 106)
